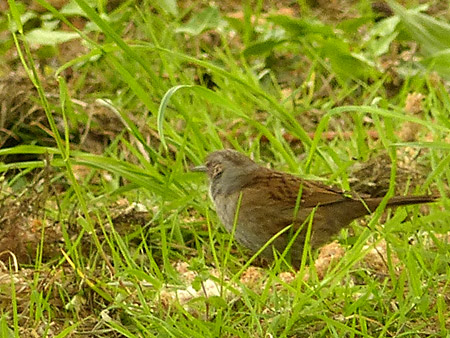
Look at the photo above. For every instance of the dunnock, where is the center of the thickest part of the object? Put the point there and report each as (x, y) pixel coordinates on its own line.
(260, 202)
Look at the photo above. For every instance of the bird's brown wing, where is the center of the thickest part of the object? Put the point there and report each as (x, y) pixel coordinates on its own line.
(268, 211)
(286, 188)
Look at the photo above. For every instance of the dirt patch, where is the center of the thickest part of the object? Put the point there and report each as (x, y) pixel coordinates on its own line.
(23, 226)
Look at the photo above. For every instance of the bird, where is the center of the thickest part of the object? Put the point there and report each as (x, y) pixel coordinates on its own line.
(257, 205)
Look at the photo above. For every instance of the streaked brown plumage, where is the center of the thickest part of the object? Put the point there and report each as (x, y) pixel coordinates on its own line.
(269, 204)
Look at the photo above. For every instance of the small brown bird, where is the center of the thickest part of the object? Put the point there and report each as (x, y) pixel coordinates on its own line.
(268, 201)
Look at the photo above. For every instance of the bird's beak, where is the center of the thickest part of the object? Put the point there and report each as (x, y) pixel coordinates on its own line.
(199, 168)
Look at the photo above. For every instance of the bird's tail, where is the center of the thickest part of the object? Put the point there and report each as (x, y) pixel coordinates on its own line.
(373, 203)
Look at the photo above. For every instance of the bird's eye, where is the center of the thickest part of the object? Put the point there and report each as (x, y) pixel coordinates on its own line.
(217, 171)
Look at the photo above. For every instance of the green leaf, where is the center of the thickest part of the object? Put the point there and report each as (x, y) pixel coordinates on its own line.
(430, 33)
(299, 27)
(49, 38)
(152, 181)
(206, 93)
(263, 47)
(385, 27)
(170, 6)
(162, 110)
(343, 62)
(16, 18)
(351, 25)
(72, 8)
(382, 34)
(5, 331)
(440, 62)
(205, 20)
(217, 302)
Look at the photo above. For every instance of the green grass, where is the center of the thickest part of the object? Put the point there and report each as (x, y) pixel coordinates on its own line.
(146, 72)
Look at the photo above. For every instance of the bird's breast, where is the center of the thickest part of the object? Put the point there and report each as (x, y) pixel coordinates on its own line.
(225, 208)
